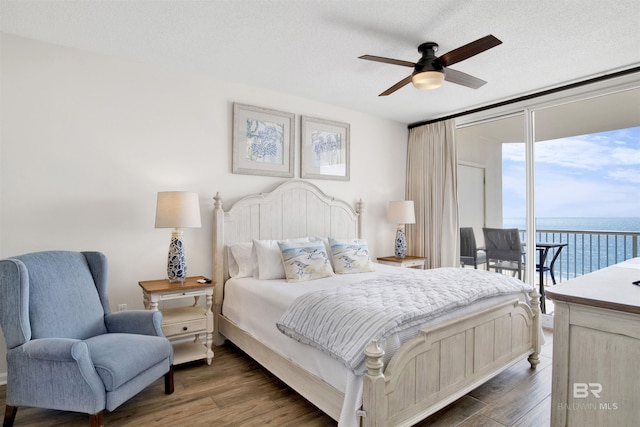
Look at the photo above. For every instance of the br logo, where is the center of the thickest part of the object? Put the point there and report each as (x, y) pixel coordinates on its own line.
(582, 390)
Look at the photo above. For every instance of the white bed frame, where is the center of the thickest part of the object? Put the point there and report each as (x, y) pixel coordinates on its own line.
(439, 366)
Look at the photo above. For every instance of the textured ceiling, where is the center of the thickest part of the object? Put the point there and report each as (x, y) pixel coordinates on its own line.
(311, 48)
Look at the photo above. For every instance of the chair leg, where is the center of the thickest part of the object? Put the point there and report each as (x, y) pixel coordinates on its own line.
(95, 420)
(9, 415)
(168, 381)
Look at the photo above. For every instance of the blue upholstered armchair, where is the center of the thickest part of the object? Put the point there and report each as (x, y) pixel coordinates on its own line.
(65, 349)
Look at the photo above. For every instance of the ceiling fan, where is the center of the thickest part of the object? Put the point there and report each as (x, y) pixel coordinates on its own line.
(431, 71)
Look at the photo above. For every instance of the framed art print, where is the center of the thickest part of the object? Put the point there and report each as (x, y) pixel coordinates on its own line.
(263, 141)
(324, 148)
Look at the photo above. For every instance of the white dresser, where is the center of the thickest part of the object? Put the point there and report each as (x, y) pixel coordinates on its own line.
(596, 348)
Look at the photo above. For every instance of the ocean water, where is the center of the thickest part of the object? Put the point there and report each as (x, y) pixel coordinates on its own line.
(580, 224)
(592, 243)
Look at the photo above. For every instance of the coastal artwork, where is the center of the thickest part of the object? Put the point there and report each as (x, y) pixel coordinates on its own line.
(263, 141)
(325, 149)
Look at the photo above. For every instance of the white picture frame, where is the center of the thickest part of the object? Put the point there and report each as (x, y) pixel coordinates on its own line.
(263, 141)
(324, 147)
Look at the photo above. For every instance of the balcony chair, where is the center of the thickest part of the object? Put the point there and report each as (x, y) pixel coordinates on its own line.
(504, 250)
(470, 254)
(65, 349)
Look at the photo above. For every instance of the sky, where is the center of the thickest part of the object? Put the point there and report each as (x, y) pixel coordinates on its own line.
(596, 175)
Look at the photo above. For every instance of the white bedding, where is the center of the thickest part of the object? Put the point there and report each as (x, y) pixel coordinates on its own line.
(256, 306)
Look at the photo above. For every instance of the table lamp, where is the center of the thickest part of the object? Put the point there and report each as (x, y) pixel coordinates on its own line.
(177, 209)
(401, 213)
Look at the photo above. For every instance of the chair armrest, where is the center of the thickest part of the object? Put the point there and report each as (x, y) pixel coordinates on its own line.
(62, 365)
(143, 322)
(53, 349)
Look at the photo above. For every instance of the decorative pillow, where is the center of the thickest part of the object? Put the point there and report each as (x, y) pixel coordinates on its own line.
(269, 258)
(325, 242)
(350, 256)
(242, 261)
(305, 261)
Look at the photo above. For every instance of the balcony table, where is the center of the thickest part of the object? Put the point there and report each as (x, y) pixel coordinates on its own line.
(543, 251)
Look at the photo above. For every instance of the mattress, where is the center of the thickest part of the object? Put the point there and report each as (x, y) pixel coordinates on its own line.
(256, 306)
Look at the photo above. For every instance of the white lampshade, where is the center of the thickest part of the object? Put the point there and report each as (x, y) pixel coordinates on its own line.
(401, 212)
(428, 79)
(178, 209)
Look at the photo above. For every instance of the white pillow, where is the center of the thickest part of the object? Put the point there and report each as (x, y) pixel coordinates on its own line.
(232, 266)
(305, 261)
(269, 258)
(350, 256)
(242, 261)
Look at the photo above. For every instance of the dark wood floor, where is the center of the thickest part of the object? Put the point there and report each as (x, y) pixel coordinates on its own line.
(236, 391)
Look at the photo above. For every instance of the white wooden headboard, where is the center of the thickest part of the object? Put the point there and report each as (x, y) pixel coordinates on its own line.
(293, 209)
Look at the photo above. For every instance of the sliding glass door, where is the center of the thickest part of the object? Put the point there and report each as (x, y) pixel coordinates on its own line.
(579, 165)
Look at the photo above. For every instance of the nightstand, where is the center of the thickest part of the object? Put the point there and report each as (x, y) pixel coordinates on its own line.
(407, 262)
(182, 322)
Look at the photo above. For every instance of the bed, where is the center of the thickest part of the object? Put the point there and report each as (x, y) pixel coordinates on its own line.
(403, 381)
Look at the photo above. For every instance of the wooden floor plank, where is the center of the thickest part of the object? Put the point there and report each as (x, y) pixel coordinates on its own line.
(515, 404)
(455, 413)
(539, 416)
(235, 391)
(479, 420)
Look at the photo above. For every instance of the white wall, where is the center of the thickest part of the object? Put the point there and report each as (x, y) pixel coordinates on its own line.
(87, 141)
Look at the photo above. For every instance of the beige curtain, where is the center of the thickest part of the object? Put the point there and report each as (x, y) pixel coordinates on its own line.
(432, 182)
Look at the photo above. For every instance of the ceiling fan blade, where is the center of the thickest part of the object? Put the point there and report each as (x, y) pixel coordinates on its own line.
(468, 50)
(388, 60)
(463, 79)
(397, 86)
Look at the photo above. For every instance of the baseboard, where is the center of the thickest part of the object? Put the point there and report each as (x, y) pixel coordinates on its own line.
(546, 320)
(3, 378)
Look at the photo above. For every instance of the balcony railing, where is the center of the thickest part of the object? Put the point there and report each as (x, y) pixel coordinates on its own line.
(588, 251)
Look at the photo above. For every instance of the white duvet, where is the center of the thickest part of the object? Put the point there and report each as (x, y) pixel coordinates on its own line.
(257, 305)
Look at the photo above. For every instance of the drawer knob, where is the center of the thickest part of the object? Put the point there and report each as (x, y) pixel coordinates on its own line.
(184, 328)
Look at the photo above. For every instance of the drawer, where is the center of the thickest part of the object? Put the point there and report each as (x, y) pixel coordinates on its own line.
(413, 263)
(184, 327)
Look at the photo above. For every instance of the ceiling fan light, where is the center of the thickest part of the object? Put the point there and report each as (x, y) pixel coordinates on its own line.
(428, 80)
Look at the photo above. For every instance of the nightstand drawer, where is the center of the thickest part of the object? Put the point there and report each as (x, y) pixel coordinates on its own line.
(183, 320)
(176, 328)
(413, 264)
(407, 262)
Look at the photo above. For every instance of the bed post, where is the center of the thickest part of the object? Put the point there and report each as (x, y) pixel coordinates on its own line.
(373, 407)
(534, 358)
(218, 267)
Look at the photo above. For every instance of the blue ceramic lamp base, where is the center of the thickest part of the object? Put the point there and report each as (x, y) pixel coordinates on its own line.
(401, 243)
(177, 261)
